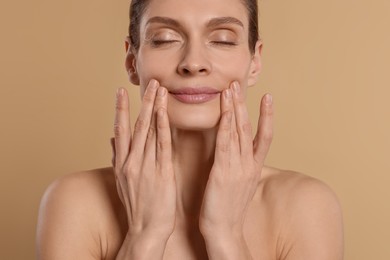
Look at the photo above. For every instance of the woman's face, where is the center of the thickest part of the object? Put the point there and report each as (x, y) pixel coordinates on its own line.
(195, 49)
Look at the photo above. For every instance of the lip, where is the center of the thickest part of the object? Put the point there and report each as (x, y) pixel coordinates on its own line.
(195, 95)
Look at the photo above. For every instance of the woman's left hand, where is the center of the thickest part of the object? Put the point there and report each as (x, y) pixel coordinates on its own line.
(238, 163)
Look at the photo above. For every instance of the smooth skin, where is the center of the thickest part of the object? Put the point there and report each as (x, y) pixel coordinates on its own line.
(189, 181)
(232, 183)
(290, 216)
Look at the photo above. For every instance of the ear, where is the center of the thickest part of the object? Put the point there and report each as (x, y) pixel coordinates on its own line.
(255, 67)
(130, 63)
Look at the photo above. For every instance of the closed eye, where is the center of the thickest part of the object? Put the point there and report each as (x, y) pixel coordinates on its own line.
(226, 43)
(157, 43)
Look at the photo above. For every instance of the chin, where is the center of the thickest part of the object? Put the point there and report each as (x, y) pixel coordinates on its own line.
(198, 117)
(188, 125)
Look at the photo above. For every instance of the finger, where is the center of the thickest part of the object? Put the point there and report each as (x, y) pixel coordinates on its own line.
(263, 139)
(224, 142)
(226, 101)
(112, 142)
(122, 129)
(234, 142)
(243, 124)
(121, 142)
(142, 124)
(150, 146)
(164, 141)
(234, 139)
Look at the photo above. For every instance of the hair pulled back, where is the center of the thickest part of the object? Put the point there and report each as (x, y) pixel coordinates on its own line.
(137, 9)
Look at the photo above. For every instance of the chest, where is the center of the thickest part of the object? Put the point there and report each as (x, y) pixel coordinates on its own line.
(259, 233)
(260, 248)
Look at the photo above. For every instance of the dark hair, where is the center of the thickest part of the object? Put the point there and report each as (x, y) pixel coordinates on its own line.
(137, 9)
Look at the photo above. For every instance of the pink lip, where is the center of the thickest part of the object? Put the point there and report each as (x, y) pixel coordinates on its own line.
(195, 95)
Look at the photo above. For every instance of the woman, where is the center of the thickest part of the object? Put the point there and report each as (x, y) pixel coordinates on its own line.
(189, 182)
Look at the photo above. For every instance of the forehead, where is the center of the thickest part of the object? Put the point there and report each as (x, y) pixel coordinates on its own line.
(196, 11)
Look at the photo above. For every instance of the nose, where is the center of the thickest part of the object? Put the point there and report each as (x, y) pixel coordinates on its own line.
(194, 61)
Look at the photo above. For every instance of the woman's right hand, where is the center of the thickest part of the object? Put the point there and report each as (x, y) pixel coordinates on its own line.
(144, 173)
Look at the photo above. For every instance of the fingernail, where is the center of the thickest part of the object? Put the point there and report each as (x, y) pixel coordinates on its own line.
(236, 87)
(161, 92)
(227, 93)
(120, 92)
(154, 84)
(268, 99)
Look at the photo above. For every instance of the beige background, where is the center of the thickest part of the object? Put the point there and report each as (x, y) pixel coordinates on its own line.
(326, 63)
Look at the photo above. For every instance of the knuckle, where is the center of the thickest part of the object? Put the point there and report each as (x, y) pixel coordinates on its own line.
(164, 144)
(119, 106)
(151, 132)
(129, 170)
(118, 130)
(119, 172)
(139, 125)
(246, 128)
(235, 136)
(161, 124)
(267, 111)
(267, 137)
(148, 97)
(224, 126)
(222, 146)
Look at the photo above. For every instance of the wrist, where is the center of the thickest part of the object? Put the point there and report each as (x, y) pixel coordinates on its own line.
(227, 246)
(143, 246)
(211, 232)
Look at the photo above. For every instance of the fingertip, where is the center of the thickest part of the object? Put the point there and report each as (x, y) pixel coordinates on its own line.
(226, 100)
(227, 93)
(120, 92)
(268, 99)
(122, 100)
(161, 91)
(266, 107)
(154, 84)
(235, 85)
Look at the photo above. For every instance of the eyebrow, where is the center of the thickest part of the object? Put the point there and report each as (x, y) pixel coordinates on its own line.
(164, 20)
(214, 22)
(224, 20)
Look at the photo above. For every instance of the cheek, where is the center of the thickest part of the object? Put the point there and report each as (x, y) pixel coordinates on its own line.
(233, 68)
(153, 67)
(226, 67)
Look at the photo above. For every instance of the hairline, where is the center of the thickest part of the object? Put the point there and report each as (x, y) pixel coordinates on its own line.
(253, 26)
(213, 22)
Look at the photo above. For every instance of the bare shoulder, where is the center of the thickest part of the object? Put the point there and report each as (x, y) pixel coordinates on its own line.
(75, 211)
(310, 213)
(286, 186)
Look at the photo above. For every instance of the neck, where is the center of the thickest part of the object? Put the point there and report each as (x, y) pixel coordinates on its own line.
(193, 157)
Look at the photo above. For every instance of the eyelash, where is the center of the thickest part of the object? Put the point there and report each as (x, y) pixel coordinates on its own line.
(157, 43)
(224, 43)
